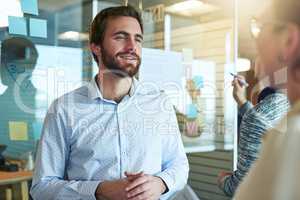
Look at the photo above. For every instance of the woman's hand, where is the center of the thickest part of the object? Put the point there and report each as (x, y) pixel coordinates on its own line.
(239, 91)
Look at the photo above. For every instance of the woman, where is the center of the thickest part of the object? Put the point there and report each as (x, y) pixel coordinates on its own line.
(256, 120)
(275, 175)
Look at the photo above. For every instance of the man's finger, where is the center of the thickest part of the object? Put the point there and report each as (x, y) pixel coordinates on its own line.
(136, 182)
(141, 192)
(133, 176)
(148, 197)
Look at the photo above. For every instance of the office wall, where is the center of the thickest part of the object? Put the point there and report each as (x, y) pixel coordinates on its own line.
(204, 169)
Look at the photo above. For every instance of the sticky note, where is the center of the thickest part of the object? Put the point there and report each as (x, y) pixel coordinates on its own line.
(37, 130)
(191, 128)
(30, 7)
(18, 130)
(192, 111)
(17, 25)
(199, 82)
(38, 27)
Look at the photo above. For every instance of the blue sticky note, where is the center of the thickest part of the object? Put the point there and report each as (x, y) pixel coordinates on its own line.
(199, 82)
(30, 7)
(192, 111)
(38, 27)
(17, 25)
(37, 130)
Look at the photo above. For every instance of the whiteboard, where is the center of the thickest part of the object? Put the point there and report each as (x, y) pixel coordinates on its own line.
(164, 69)
(161, 68)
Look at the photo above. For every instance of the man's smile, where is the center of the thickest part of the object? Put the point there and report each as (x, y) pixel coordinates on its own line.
(128, 57)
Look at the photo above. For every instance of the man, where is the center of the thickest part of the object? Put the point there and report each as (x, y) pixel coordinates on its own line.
(114, 138)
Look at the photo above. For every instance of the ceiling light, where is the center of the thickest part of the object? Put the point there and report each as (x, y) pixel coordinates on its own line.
(9, 8)
(190, 8)
(254, 28)
(243, 64)
(186, 5)
(73, 36)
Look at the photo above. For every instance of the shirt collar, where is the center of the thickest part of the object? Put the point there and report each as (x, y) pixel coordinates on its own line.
(95, 92)
(266, 92)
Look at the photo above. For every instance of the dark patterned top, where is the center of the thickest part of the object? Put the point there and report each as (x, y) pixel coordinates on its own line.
(255, 122)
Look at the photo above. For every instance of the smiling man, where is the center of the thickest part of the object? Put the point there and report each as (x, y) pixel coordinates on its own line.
(114, 138)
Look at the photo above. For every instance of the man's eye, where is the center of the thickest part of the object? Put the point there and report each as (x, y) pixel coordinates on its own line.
(139, 40)
(120, 37)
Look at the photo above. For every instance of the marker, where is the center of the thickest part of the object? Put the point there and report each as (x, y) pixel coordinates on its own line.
(242, 81)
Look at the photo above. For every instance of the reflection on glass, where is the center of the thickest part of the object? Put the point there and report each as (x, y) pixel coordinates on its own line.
(18, 106)
(35, 71)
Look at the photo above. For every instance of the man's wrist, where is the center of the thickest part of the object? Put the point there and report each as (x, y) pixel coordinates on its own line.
(99, 193)
(163, 185)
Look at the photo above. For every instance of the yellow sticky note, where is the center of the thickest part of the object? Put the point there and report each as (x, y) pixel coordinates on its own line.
(18, 130)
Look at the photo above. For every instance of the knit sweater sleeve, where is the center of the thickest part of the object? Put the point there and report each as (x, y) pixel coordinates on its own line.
(254, 124)
(245, 108)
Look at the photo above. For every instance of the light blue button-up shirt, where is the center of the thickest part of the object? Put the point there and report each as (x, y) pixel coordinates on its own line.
(87, 139)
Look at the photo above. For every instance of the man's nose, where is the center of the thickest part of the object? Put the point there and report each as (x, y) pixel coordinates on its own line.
(131, 45)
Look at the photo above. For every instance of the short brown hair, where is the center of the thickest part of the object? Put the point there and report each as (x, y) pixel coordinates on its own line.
(18, 48)
(98, 25)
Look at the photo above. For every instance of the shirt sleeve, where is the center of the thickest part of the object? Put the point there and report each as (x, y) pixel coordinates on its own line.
(175, 165)
(254, 125)
(49, 180)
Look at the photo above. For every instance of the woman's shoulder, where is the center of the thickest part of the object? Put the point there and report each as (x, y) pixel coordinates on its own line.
(272, 107)
(273, 102)
(275, 97)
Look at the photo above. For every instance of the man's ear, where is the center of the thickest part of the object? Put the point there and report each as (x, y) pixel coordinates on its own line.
(95, 49)
(290, 43)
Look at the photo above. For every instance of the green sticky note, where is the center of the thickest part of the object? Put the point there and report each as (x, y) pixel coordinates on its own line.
(30, 7)
(37, 130)
(38, 27)
(17, 25)
(18, 130)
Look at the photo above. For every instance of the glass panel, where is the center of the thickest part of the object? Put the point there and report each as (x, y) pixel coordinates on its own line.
(204, 32)
(190, 46)
(189, 50)
(35, 69)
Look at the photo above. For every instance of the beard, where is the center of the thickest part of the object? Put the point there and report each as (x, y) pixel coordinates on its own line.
(122, 70)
